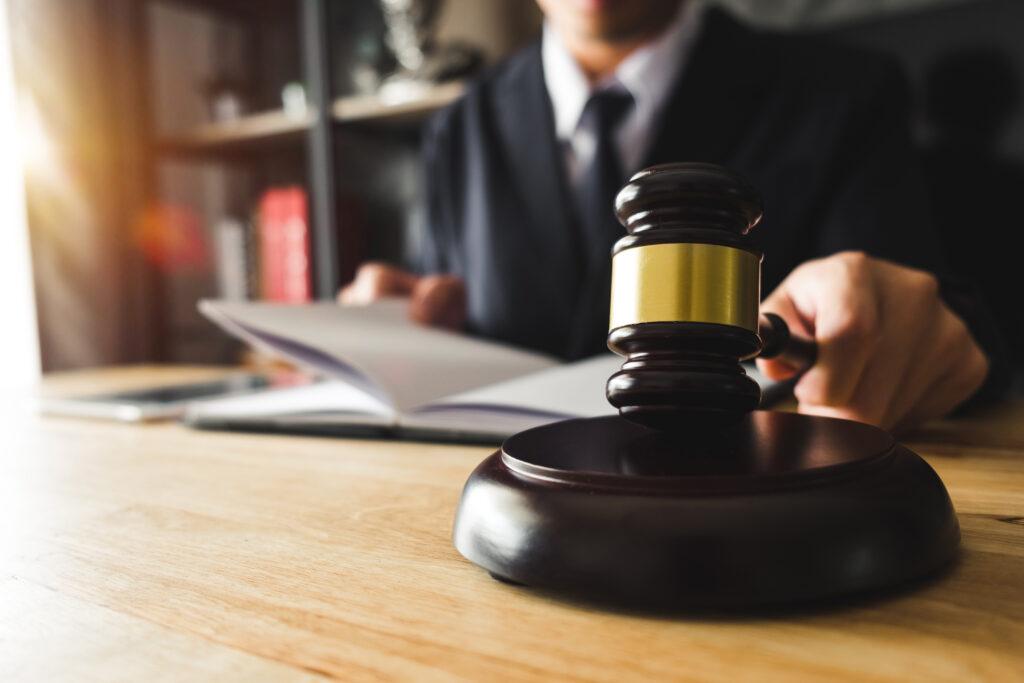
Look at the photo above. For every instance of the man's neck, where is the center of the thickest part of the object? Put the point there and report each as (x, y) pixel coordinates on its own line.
(599, 59)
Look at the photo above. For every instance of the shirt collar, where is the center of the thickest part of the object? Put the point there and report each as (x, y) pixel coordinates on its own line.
(648, 73)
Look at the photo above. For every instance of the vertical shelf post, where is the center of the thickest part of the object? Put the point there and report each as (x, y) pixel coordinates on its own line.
(320, 153)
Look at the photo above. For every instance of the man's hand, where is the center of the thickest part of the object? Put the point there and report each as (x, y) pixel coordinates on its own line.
(375, 281)
(438, 300)
(890, 353)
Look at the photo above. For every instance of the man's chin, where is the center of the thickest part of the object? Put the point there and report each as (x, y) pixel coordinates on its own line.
(611, 35)
(597, 5)
(612, 21)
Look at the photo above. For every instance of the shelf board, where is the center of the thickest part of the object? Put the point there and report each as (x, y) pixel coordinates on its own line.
(237, 7)
(253, 131)
(375, 109)
(236, 135)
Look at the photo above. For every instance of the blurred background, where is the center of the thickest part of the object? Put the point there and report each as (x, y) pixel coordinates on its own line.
(160, 151)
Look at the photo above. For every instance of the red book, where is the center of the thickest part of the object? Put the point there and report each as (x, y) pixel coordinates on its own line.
(284, 245)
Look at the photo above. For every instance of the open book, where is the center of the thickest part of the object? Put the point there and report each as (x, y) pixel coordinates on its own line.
(385, 375)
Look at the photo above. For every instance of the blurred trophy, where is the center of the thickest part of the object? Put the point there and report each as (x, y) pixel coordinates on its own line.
(410, 26)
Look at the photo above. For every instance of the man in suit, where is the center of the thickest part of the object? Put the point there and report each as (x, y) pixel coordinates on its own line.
(521, 175)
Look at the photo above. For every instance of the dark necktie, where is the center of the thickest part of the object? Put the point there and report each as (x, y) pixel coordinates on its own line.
(598, 228)
(603, 176)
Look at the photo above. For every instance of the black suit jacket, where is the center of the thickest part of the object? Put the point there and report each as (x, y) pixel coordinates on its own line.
(821, 130)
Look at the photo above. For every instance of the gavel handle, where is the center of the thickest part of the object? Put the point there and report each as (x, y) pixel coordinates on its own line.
(799, 352)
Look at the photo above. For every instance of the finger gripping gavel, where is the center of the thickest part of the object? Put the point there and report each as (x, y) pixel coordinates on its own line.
(685, 297)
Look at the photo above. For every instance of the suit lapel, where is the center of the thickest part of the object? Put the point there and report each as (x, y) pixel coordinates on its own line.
(524, 123)
(714, 99)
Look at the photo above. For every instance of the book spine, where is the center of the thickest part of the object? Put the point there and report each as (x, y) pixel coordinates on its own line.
(270, 245)
(284, 245)
(295, 277)
(230, 248)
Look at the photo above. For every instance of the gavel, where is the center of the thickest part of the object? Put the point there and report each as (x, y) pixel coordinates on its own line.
(690, 496)
(685, 300)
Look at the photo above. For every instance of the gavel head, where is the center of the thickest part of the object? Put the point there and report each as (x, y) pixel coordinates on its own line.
(685, 294)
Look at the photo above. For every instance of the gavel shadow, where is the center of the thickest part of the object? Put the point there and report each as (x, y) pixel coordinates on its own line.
(811, 607)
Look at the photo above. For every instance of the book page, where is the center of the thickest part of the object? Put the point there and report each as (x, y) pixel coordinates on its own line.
(375, 348)
(468, 425)
(332, 407)
(569, 390)
(496, 412)
(329, 397)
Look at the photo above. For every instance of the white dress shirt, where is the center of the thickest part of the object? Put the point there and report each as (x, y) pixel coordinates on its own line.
(648, 74)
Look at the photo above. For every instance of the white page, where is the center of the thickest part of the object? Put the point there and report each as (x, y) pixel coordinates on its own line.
(329, 398)
(464, 424)
(305, 356)
(571, 390)
(500, 410)
(376, 348)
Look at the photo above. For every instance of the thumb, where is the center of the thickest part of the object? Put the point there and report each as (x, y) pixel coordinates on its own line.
(376, 280)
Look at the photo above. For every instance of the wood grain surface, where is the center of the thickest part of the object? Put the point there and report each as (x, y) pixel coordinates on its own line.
(155, 552)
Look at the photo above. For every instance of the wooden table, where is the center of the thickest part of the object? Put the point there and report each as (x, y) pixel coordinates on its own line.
(143, 553)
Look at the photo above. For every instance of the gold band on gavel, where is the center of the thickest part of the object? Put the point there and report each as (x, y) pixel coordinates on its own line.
(707, 283)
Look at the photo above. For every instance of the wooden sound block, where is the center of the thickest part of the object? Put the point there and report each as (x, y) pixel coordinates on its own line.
(781, 507)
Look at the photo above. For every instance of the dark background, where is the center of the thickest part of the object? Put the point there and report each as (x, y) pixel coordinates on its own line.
(118, 85)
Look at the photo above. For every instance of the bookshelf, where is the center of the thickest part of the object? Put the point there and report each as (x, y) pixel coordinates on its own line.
(350, 149)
